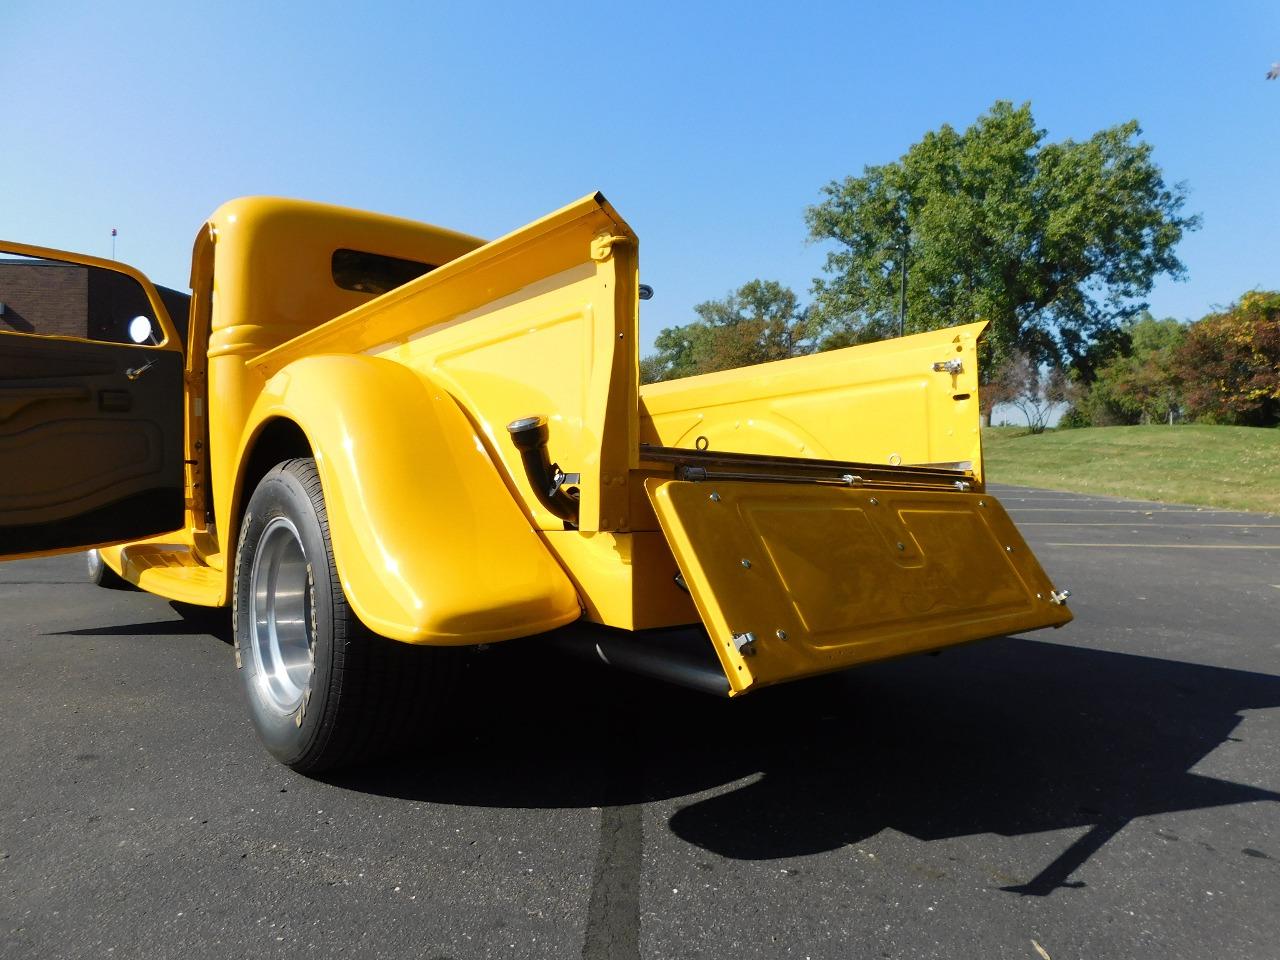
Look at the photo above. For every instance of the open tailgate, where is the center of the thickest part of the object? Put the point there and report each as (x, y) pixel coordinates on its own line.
(793, 579)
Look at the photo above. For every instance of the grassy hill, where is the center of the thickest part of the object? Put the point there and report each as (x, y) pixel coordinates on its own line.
(1237, 467)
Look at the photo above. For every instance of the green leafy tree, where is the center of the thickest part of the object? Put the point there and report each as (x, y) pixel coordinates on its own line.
(1140, 384)
(1228, 367)
(760, 321)
(1054, 243)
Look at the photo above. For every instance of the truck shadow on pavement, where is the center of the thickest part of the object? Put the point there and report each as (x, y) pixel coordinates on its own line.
(192, 621)
(1007, 737)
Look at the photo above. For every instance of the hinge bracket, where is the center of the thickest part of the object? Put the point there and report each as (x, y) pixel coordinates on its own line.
(602, 246)
(745, 643)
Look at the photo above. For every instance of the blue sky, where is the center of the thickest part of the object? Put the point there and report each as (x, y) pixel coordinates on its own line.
(710, 126)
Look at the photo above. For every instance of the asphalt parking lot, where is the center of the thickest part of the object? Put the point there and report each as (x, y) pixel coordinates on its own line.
(1106, 790)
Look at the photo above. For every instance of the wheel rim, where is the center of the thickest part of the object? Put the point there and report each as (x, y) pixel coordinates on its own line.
(280, 629)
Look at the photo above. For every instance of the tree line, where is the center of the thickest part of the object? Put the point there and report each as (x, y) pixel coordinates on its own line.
(1056, 244)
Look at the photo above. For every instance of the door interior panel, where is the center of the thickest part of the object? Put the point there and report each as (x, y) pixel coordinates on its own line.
(90, 442)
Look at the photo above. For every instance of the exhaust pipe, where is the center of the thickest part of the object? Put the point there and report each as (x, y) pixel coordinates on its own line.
(682, 657)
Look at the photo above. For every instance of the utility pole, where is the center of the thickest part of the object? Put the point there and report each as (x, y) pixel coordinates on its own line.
(113, 245)
(900, 250)
(902, 305)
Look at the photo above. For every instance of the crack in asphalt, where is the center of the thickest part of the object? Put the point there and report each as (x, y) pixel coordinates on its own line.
(613, 913)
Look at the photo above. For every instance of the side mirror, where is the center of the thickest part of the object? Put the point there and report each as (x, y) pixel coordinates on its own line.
(140, 330)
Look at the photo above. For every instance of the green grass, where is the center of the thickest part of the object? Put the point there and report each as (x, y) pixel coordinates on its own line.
(1236, 467)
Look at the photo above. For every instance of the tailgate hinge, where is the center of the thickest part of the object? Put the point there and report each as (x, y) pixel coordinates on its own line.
(602, 246)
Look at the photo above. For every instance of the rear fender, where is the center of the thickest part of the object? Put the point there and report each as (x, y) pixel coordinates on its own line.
(429, 544)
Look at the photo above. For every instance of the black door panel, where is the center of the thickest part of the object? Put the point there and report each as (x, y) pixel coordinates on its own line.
(90, 442)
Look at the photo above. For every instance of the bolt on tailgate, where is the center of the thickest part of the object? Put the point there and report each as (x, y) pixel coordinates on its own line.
(793, 579)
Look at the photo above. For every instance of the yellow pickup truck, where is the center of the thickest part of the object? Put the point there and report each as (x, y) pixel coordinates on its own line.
(380, 441)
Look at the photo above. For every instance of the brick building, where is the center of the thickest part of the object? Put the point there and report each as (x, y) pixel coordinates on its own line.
(54, 298)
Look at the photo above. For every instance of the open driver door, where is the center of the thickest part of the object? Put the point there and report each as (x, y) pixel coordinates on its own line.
(91, 404)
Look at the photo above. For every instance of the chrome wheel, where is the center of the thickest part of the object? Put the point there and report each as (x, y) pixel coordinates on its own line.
(280, 627)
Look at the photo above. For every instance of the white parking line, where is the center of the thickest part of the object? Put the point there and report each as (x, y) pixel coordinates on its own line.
(1052, 497)
(1016, 509)
(1179, 526)
(1080, 499)
(1171, 546)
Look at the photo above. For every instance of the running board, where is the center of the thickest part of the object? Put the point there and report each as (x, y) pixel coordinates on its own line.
(171, 570)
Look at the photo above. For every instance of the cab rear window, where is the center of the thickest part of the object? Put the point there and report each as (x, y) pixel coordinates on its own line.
(374, 272)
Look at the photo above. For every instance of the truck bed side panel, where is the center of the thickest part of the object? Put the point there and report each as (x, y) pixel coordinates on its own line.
(540, 322)
(913, 400)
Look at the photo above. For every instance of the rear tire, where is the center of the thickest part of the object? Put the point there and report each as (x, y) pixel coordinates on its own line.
(323, 690)
(104, 576)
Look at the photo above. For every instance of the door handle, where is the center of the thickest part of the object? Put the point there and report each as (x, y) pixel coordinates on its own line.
(133, 373)
(115, 401)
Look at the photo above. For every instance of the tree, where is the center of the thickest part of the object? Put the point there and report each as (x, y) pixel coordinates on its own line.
(1054, 243)
(1033, 390)
(1228, 368)
(760, 321)
(1139, 385)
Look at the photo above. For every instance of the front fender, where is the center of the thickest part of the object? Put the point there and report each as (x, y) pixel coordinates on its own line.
(429, 544)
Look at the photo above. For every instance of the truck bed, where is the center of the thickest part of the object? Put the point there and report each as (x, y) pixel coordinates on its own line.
(810, 513)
